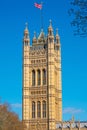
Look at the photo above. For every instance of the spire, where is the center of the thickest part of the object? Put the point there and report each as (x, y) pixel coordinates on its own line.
(73, 119)
(41, 34)
(26, 35)
(41, 37)
(57, 36)
(57, 32)
(57, 40)
(50, 33)
(50, 29)
(34, 38)
(34, 34)
(50, 23)
(26, 28)
(26, 32)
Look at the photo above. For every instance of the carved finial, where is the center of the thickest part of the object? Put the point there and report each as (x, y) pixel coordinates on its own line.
(57, 31)
(26, 36)
(34, 38)
(72, 118)
(26, 28)
(42, 30)
(34, 34)
(50, 22)
(26, 24)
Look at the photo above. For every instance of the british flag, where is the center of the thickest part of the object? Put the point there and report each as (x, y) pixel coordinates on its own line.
(39, 6)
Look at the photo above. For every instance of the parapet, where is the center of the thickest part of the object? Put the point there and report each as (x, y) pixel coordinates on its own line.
(72, 125)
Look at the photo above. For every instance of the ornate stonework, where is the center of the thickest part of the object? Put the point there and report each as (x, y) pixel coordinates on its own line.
(42, 89)
(71, 125)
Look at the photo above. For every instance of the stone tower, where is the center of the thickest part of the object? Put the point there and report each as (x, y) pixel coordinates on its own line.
(42, 90)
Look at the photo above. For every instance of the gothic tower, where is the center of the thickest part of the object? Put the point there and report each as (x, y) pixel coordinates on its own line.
(42, 90)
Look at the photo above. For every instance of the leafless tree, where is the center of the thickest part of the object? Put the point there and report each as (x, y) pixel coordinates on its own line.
(9, 120)
(78, 11)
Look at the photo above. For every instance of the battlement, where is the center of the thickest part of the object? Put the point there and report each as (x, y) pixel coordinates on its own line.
(71, 125)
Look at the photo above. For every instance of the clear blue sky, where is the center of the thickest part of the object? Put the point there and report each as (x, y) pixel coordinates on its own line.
(13, 16)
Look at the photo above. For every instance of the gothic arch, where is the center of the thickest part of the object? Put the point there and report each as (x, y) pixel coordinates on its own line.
(38, 77)
(44, 109)
(33, 109)
(38, 109)
(33, 77)
(44, 76)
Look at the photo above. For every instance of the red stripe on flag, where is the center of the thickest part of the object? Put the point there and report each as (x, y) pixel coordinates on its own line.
(39, 6)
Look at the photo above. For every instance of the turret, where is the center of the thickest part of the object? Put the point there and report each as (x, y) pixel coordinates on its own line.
(26, 39)
(34, 41)
(51, 78)
(57, 37)
(59, 81)
(57, 45)
(50, 33)
(26, 81)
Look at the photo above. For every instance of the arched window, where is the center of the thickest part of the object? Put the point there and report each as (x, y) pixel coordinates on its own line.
(26, 43)
(44, 76)
(33, 77)
(39, 109)
(44, 109)
(38, 77)
(33, 109)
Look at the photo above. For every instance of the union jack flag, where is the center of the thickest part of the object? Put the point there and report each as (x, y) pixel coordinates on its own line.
(39, 6)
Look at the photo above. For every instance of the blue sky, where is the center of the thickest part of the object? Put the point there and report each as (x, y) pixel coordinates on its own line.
(13, 16)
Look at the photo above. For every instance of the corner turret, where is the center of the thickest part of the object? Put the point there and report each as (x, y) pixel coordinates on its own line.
(57, 37)
(57, 40)
(26, 39)
(50, 33)
(34, 41)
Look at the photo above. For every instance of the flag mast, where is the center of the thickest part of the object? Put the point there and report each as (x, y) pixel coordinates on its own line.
(39, 6)
(41, 16)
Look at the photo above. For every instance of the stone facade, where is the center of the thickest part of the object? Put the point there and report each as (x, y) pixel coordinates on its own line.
(42, 90)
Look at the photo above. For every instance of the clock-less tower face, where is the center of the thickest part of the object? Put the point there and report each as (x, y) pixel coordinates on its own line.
(42, 101)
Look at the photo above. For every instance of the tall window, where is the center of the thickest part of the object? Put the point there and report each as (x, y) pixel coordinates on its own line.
(39, 109)
(38, 77)
(33, 109)
(44, 76)
(33, 77)
(44, 109)
(26, 43)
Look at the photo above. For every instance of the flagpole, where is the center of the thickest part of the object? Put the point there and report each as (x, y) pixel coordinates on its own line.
(39, 6)
(42, 16)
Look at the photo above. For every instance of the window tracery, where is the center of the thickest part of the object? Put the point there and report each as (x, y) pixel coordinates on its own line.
(33, 109)
(44, 109)
(44, 76)
(38, 77)
(33, 77)
(39, 109)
